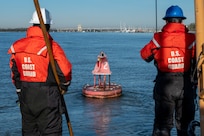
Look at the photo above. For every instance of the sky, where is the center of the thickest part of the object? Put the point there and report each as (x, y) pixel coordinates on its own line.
(93, 13)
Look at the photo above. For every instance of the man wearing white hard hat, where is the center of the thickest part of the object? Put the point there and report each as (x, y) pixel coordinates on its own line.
(34, 80)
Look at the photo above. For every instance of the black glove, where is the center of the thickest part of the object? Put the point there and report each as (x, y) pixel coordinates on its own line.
(18, 92)
(64, 87)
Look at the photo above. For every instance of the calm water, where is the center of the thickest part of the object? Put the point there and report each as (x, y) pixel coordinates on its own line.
(131, 114)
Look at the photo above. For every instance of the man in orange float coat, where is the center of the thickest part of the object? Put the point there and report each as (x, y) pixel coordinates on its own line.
(33, 78)
(173, 52)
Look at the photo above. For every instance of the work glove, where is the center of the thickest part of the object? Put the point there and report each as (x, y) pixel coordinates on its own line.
(64, 87)
(18, 92)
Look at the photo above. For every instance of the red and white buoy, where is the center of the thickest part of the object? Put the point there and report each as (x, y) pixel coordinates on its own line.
(101, 89)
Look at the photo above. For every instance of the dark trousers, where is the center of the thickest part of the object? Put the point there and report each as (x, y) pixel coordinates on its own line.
(174, 100)
(40, 109)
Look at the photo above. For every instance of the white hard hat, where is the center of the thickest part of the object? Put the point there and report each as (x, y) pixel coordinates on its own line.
(45, 15)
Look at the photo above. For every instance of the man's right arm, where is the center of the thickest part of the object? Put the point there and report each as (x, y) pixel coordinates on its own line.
(147, 52)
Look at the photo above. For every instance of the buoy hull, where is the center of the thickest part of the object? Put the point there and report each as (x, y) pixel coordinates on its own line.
(101, 91)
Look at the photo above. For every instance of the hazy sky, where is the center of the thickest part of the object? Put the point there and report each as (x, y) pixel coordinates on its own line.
(93, 13)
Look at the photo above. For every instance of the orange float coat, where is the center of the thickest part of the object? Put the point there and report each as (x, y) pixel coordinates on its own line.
(172, 49)
(30, 59)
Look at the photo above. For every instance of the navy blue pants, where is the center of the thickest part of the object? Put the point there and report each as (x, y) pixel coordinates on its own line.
(40, 109)
(174, 100)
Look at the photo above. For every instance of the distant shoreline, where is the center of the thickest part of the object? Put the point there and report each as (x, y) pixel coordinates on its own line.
(191, 27)
(12, 29)
(83, 30)
(145, 30)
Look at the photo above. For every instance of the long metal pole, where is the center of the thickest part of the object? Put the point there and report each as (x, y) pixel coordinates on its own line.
(156, 14)
(48, 44)
(199, 19)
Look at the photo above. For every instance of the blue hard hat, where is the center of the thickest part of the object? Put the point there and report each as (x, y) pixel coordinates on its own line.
(174, 12)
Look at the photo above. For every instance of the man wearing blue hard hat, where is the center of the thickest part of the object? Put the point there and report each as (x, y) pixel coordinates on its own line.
(173, 52)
